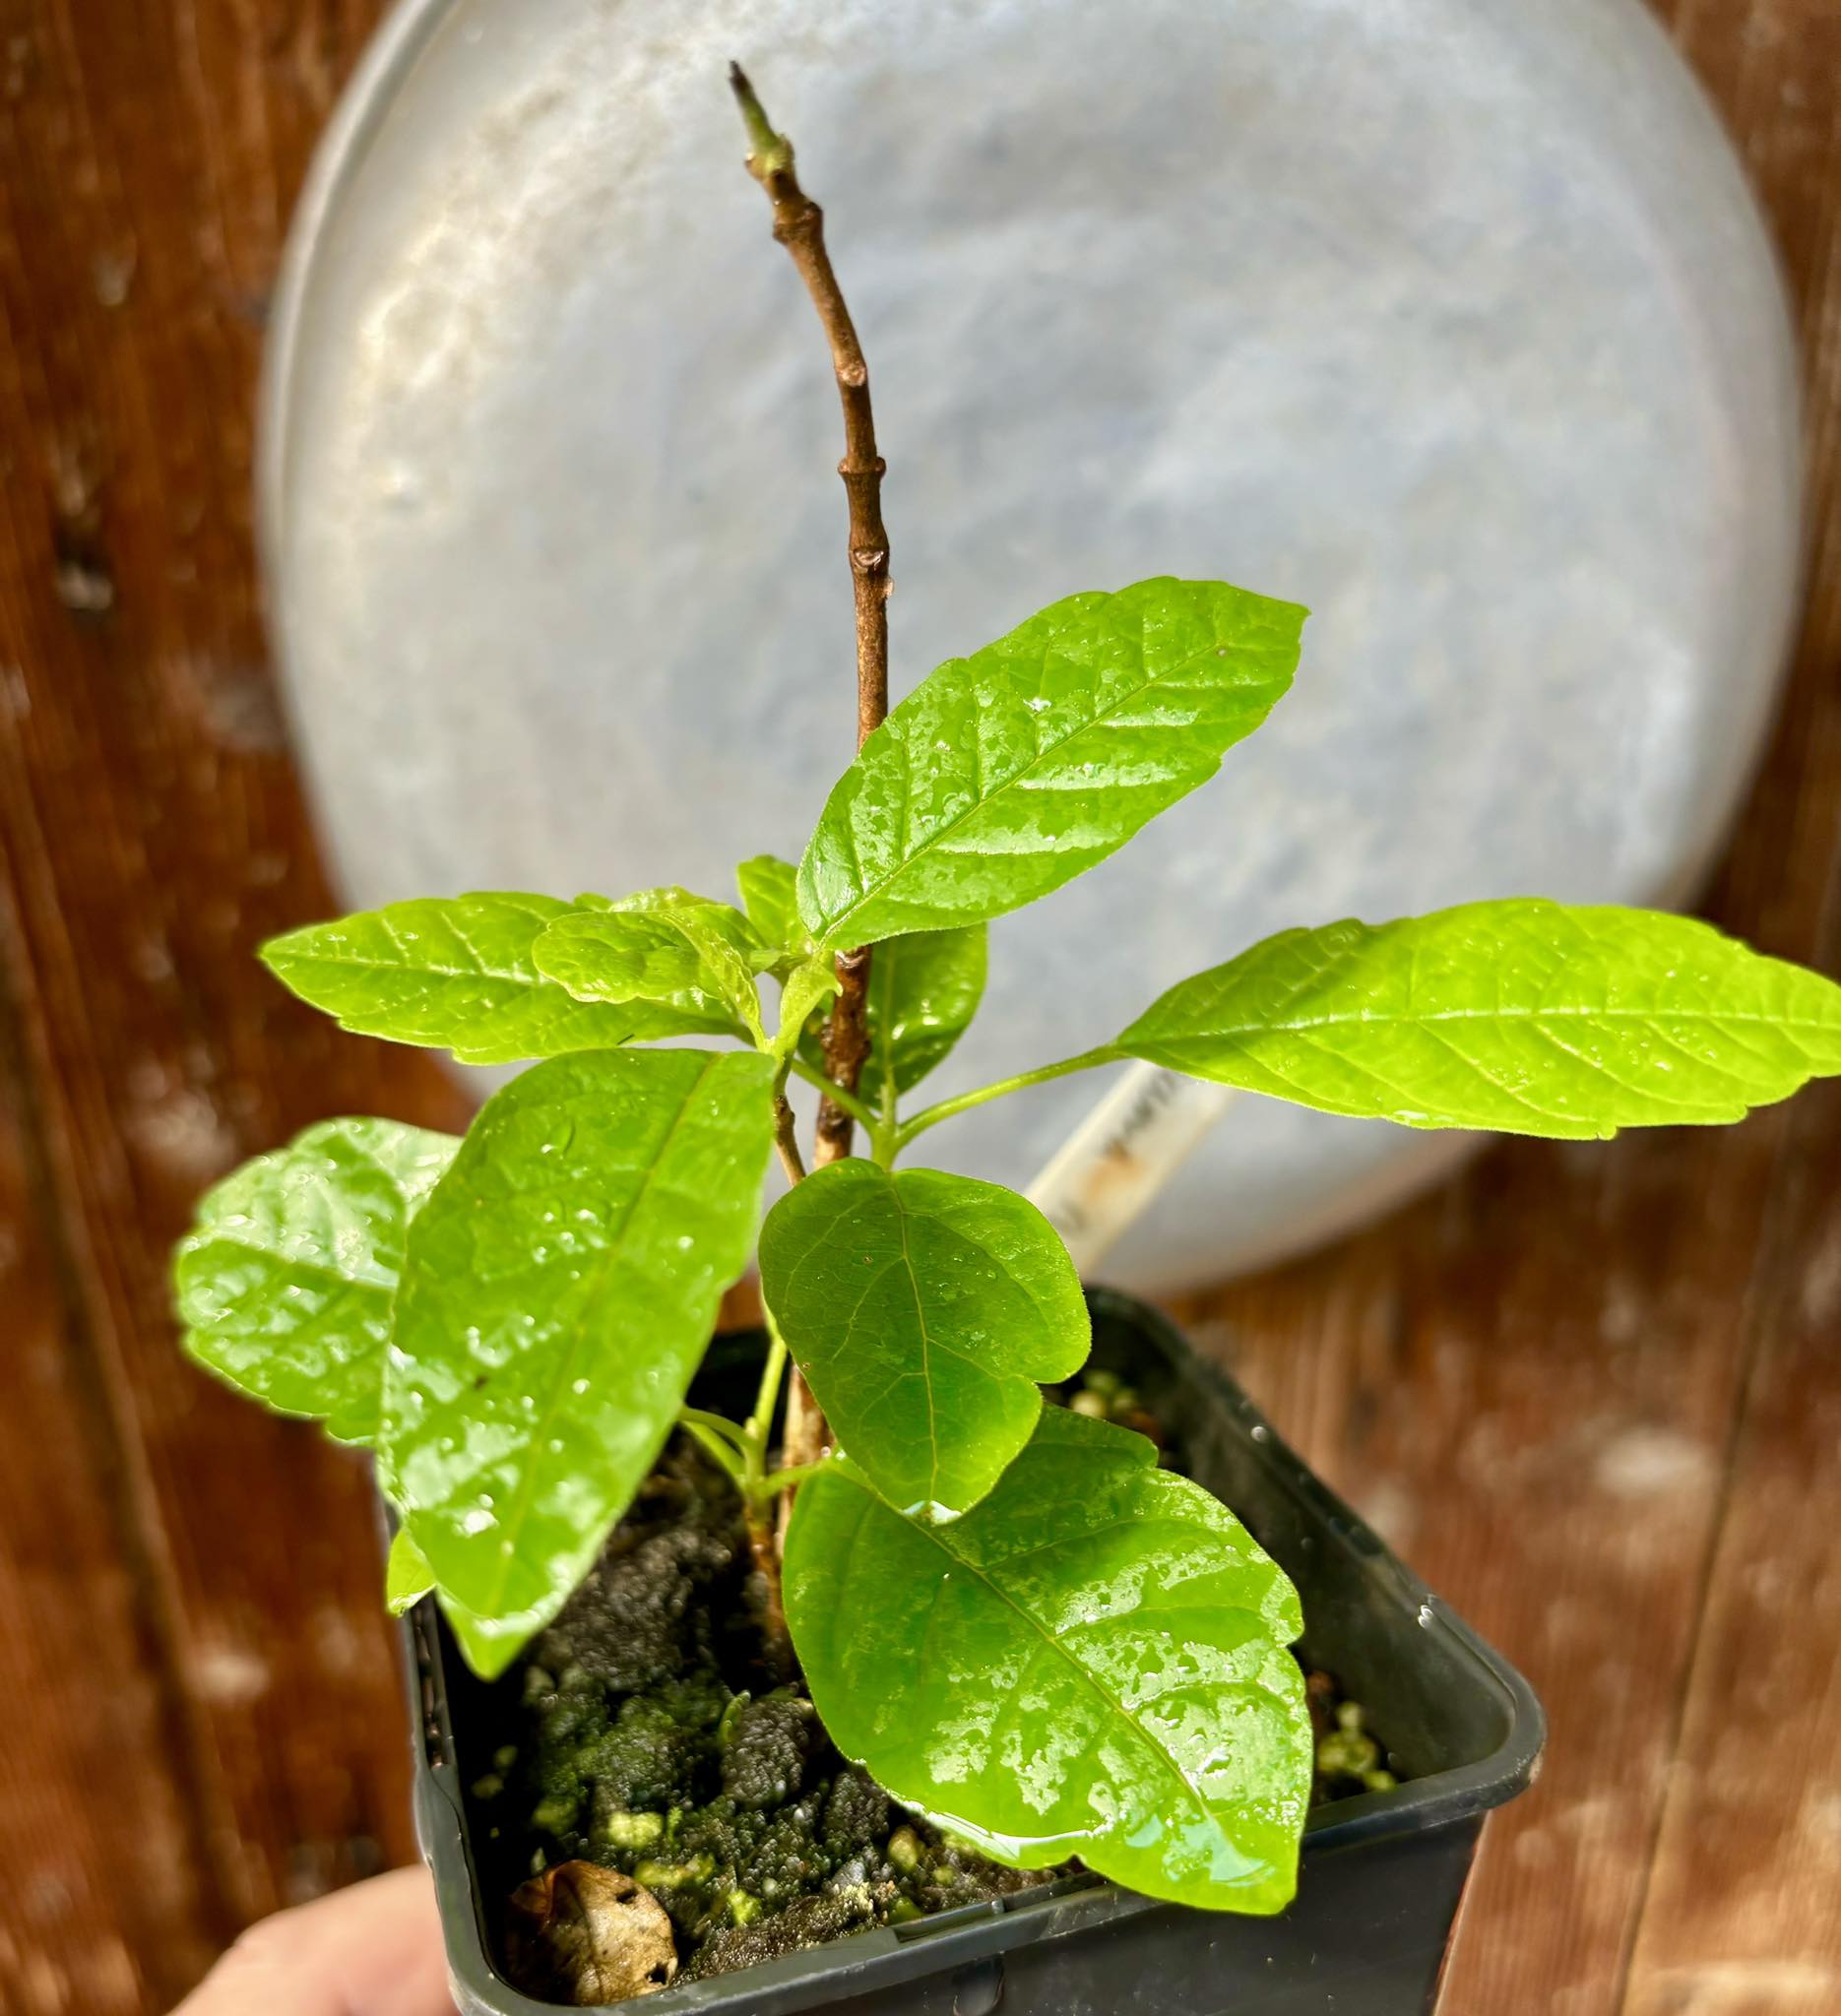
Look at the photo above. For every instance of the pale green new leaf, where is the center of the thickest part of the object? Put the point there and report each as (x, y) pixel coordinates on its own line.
(807, 988)
(559, 1289)
(723, 917)
(769, 889)
(407, 1578)
(456, 973)
(1092, 1661)
(286, 1281)
(674, 958)
(1006, 774)
(1523, 1016)
(926, 1309)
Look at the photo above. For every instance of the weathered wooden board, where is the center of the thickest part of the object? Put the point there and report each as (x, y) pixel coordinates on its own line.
(1743, 1911)
(1596, 1393)
(204, 1712)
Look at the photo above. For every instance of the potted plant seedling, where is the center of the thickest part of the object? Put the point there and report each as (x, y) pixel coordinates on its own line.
(860, 1650)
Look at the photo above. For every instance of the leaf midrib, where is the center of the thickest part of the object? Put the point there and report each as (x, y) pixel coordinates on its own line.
(357, 963)
(1048, 1637)
(318, 1269)
(832, 936)
(1351, 1020)
(926, 1349)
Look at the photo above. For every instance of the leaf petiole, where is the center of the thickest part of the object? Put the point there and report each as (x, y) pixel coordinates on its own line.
(778, 1480)
(725, 1454)
(963, 1102)
(886, 1136)
(732, 1432)
(847, 1100)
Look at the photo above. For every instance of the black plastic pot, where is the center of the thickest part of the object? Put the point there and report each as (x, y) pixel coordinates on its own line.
(1382, 1872)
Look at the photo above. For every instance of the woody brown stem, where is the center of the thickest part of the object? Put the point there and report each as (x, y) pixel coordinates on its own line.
(786, 1134)
(764, 1551)
(798, 225)
(847, 1046)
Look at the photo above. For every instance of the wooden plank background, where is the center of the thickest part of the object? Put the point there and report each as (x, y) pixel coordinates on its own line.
(1593, 1392)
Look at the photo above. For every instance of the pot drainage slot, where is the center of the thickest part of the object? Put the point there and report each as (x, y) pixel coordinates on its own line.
(976, 1990)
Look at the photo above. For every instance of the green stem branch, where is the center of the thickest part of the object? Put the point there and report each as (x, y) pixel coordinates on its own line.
(948, 1108)
(785, 1480)
(767, 1398)
(715, 1423)
(858, 1108)
(719, 1449)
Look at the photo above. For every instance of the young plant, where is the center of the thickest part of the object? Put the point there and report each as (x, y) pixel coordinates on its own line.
(1007, 1612)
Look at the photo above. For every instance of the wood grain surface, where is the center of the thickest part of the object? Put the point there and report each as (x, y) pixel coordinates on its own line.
(1593, 1392)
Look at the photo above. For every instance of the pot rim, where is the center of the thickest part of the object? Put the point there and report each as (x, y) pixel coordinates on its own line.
(885, 1956)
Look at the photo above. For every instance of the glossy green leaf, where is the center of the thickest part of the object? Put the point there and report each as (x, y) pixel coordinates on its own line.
(407, 1578)
(679, 957)
(808, 987)
(456, 973)
(285, 1283)
(1523, 1016)
(560, 1288)
(1006, 774)
(769, 889)
(925, 1309)
(1092, 1661)
(924, 991)
(724, 918)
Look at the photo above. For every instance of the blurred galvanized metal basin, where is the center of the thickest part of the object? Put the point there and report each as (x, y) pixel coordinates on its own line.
(1451, 318)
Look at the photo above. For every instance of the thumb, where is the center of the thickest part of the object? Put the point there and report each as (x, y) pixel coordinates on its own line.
(372, 1950)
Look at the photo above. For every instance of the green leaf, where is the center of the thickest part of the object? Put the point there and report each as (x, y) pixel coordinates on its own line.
(407, 1578)
(807, 988)
(769, 889)
(680, 959)
(558, 1290)
(924, 991)
(923, 1308)
(285, 1283)
(456, 973)
(1523, 1016)
(1006, 774)
(724, 918)
(1093, 1662)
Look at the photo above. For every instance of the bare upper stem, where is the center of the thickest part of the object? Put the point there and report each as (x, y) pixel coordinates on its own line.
(799, 226)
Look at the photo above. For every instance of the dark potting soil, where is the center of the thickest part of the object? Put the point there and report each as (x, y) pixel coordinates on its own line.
(650, 1732)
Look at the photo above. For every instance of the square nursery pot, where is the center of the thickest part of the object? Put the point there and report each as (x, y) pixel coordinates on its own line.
(1382, 1872)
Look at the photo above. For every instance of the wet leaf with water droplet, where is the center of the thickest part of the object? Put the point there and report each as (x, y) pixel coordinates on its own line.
(550, 1385)
(676, 956)
(1003, 774)
(926, 1309)
(457, 974)
(769, 891)
(1523, 1016)
(1092, 1661)
(285, 1284)
(924, 991)
(723, 919)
